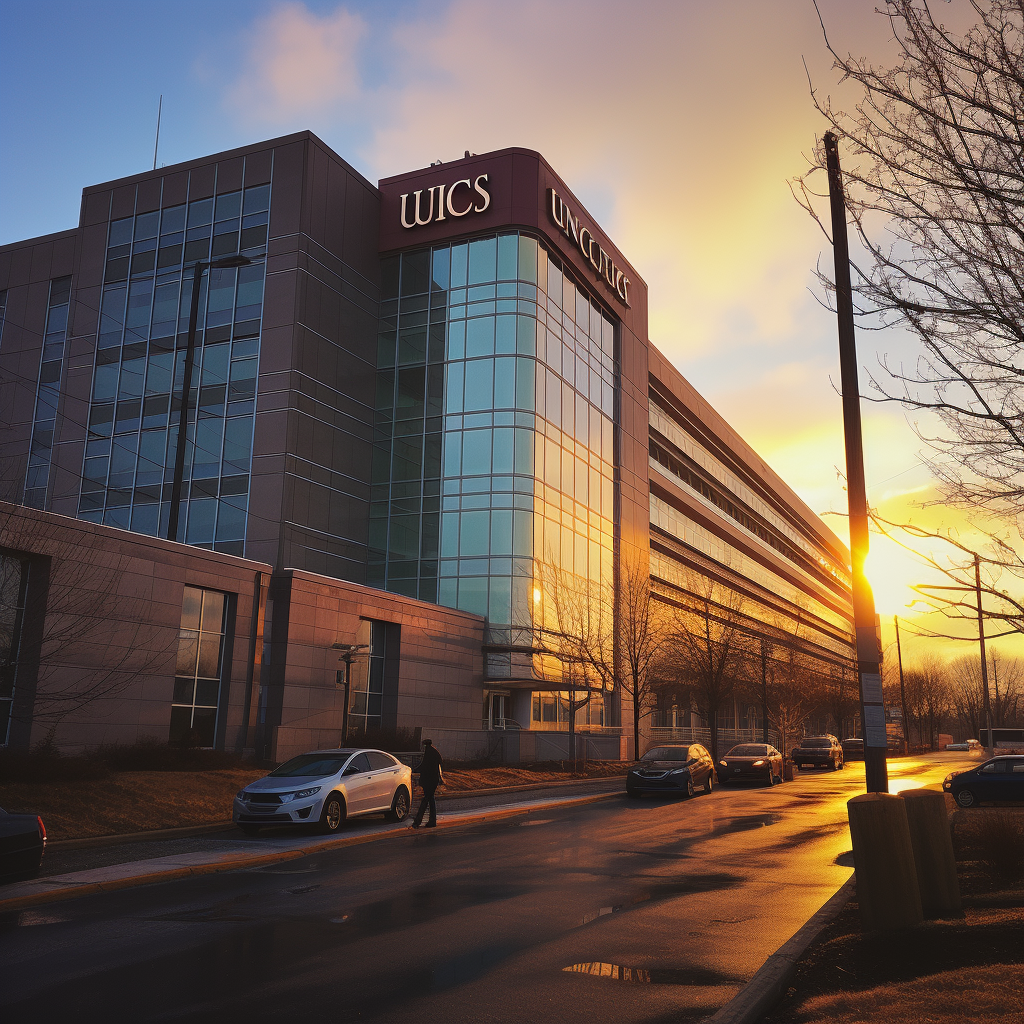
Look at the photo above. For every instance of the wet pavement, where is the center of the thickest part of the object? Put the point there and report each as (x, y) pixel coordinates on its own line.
(651, 910)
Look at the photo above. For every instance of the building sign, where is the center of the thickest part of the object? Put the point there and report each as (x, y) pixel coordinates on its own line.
(581, 236)
(438, 203)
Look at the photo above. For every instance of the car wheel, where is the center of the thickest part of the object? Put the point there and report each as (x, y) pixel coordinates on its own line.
(690, 791)
(399, 806)
(966, 798)
(332, 817)
(250, 830)
(709, 782)
(771, 777)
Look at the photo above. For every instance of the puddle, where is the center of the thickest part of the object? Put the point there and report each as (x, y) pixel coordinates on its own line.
(303, 888)
(32, 918)
(746, 822)
(654, 975)
(526, 824)
(665, 890)
(845, 859)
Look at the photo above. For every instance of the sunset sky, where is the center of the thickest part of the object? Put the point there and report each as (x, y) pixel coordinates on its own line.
(678, 124)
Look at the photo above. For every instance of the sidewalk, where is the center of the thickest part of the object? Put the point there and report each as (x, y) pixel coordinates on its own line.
(242, 854)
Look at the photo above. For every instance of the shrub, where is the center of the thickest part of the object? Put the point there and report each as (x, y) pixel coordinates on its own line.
(999, 843)
(152, 755)
(394, 740)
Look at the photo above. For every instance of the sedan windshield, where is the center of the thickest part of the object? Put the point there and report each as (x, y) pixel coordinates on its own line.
(313, 765)
(815, 741)
(667, 754)
(748, 750)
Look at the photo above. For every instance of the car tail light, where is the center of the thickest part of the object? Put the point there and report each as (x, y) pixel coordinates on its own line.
(42, 828)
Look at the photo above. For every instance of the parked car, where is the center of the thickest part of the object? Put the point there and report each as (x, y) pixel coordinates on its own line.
(325, 787)
(747, 762)
(965, 745)
(999, 778)
(853, 748)
(22, 842)
(677, 769)
(818, 752)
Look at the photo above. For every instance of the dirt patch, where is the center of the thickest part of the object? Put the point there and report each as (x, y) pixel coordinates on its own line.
(126, 802)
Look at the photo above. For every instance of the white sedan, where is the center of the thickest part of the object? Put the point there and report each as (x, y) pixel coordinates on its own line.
(326, 787)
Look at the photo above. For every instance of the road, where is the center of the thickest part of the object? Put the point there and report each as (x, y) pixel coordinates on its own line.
(544, 917)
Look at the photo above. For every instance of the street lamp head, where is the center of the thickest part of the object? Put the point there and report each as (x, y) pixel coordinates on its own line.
(226, 262)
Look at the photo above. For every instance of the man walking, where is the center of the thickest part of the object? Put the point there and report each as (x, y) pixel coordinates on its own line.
(430, 779)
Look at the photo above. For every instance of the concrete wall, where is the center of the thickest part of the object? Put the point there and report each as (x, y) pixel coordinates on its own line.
(102, 630)
(440, 671)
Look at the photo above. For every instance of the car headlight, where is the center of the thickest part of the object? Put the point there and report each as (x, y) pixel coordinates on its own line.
(241, 794)
(679, 771)
(724, 764)
(757, 764)
(301, 794)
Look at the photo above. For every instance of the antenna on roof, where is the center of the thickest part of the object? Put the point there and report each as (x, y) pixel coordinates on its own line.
(159, 111)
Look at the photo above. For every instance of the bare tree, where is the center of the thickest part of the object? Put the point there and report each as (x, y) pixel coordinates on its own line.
(640, 635)
(708, 647)
(80, 628)
(602, 636)
(935, 182)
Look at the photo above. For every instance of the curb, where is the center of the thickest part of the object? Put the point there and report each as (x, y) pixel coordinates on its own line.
(769, 984)
(69, 889)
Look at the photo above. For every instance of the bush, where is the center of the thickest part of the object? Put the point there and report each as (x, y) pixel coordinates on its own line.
(400, 741)
(999, 843)
(45, 763)
(151, 755)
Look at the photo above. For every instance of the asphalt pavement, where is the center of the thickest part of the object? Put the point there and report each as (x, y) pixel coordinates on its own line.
(653, 910)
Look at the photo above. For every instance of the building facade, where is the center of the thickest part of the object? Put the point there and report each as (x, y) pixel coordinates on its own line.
(416, 400)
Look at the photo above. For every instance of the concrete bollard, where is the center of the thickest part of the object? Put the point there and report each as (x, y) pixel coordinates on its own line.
(883, 856)
(788, 771)
(933, 852)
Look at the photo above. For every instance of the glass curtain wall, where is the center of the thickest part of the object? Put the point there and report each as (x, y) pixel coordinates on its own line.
(139, 371)
(494, 432)
(51, 371)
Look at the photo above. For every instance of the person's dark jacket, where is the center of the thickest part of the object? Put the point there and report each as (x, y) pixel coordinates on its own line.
(430, 768)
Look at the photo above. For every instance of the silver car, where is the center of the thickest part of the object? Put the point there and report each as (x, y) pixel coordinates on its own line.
(326, 787)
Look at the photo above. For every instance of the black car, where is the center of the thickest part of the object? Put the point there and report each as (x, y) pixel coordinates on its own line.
(1000, 778)
(22, 841)
(746, 762)
(818, 752)
(853, 748)
(679, 769)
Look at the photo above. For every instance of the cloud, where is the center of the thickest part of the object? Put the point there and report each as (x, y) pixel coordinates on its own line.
(298, 65)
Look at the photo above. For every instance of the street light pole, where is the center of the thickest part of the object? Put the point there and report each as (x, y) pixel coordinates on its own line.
(990, 745)
(764, 690)
(869, 670)
(349, 652)
(903, 689)
(186, 384)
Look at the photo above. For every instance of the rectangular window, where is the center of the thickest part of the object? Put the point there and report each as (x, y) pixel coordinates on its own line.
(367, 675)
(13, 586)
(197, 677)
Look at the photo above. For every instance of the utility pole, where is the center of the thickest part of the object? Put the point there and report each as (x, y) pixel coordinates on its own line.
(868, 668)
(764, 690)
(987, 710)
(903, 689)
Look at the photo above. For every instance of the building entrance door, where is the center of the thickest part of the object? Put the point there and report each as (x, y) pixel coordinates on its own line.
(500, 705)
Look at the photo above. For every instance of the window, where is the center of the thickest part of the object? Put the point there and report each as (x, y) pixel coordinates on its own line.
(13, 584)
(197, 678)
(144, 317)
(366, 696)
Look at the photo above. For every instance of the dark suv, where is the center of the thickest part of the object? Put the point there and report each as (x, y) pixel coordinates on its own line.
(819, 752)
